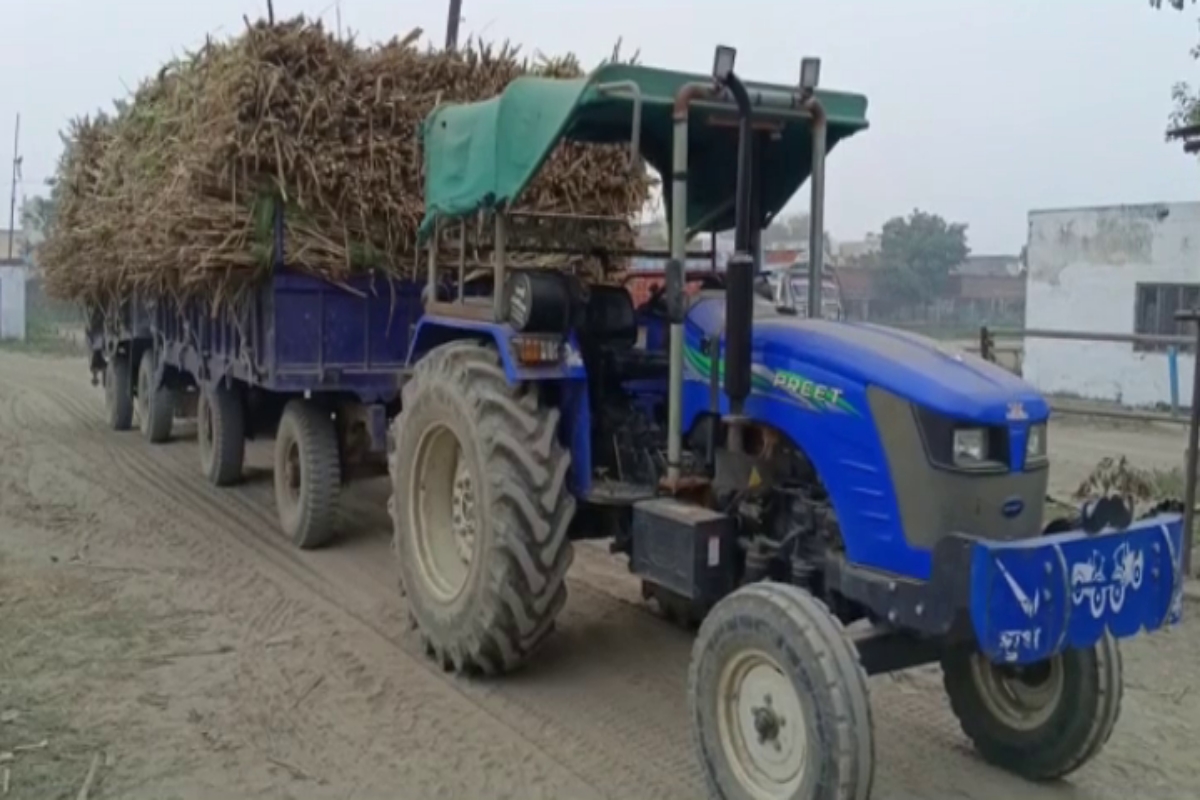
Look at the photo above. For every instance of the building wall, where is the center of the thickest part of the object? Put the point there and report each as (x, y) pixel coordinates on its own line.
(18, 242)
(12, 302)
(1084, 268)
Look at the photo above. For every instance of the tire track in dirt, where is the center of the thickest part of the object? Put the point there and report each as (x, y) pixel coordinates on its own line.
(555, 701)
(644, 728)
(198, 508)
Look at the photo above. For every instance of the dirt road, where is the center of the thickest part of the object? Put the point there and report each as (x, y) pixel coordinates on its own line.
(162, 632)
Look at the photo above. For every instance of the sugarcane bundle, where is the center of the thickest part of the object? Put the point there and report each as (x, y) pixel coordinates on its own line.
(178, 192)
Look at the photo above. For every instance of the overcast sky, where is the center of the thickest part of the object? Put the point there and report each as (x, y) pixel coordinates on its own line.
(979, 109)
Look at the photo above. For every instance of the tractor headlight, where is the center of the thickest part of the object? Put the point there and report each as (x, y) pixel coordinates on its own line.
(970, 447)
(1035, 443)
(963, 445)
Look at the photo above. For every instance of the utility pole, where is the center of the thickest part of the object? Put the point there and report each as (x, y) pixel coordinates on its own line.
(452, 24)
(16, 174)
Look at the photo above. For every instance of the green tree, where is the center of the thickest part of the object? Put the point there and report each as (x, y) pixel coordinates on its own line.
(37, 213)
(1185, 98)
(917, 253)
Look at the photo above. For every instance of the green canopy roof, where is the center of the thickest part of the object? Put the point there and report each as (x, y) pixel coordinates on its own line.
(482, 155)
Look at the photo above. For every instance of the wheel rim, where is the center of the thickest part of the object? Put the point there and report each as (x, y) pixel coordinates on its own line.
(293, 473)
(1023, 698)
(762, 726)
(445, 515)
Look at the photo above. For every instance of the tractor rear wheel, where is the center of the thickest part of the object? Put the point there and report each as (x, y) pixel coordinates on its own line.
(1041, 721)
(118, 391)
(779, 701)
(221, 433)
(481, 510)
(308, 474)
(155, 404)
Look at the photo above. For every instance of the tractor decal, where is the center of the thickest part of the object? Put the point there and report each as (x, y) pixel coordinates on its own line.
(1090, 584)
(790, 387)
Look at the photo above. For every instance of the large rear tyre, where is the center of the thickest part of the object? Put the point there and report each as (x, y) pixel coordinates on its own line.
(1043, 721)
(308, 474)
(118, 391)
(155, 404)
(779, 700)
(481, 510)
(221, 433)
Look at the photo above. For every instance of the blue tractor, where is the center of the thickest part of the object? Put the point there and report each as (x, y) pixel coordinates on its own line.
(828, 499)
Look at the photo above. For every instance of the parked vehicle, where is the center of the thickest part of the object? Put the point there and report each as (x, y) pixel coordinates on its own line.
(774, 477)
(797, 281)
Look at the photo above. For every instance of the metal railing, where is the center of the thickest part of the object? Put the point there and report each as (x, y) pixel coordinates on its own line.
(989, 350)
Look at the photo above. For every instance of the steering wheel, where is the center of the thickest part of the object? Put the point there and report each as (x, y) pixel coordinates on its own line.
(655, 305)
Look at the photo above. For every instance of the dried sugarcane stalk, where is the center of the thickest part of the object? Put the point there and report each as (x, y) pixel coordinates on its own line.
(175, 192)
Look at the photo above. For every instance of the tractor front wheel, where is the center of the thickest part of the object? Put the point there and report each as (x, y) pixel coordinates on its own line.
(1041, 721)
(481, 510)
(779, 701)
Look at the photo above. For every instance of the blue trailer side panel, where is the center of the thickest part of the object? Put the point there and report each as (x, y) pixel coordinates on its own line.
(297, 334)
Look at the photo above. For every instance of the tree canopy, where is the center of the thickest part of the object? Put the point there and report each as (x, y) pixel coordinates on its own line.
(917, 253)
(1186, 99)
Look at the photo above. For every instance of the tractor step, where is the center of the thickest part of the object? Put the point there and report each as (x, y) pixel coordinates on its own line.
(618, 493)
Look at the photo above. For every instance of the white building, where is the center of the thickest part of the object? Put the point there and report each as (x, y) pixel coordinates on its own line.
(13, 275)
(1113, 269)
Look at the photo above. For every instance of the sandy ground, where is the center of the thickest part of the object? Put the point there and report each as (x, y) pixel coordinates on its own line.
(160, 634)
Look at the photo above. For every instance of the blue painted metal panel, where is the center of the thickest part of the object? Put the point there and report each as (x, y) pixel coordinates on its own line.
(433, 330)
(810, 380)
(1031, 599)
(296, 334)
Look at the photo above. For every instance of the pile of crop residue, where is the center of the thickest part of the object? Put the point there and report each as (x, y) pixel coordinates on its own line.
(178, 190)
(1145, 491)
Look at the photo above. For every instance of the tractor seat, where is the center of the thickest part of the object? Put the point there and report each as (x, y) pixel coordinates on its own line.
(610, 332)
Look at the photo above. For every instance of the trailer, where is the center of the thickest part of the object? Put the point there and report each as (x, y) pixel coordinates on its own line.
(314, 364)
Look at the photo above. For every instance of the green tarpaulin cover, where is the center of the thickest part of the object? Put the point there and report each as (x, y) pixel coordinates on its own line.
(482, 155)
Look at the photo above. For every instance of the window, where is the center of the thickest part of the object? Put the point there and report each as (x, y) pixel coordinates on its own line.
(1155, 311)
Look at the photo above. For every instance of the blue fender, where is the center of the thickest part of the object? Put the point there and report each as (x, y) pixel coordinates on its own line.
(575, 426)
(434, 331)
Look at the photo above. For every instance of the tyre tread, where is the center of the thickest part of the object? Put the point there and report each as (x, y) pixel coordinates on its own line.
(316, 435)
(841, 668)
(531, 507)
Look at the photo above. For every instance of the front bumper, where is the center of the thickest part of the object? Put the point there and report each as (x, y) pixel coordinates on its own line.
(1033, 598)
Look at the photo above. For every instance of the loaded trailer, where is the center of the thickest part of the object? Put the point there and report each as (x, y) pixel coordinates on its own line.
(824, 499)
(314, 364)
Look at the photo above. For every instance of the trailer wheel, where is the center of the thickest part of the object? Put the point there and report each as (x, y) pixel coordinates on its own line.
(1041, 722)
(481, 510)
(778, 700)
(221, 432)
(155, 404)
(118, 391)
(308, 474)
